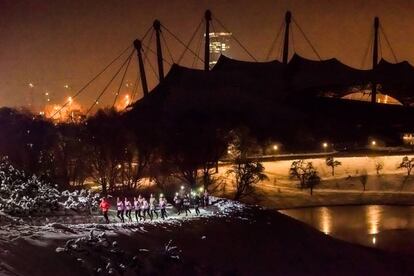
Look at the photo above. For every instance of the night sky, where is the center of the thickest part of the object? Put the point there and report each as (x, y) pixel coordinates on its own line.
(52, 43)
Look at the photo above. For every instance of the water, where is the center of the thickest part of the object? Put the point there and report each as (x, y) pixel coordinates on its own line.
(386, 227)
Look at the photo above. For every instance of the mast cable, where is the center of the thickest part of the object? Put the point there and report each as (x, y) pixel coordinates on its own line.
(235, 38)
(368, 49)
(389, 44)
(198, 49)
(92, 80)
(123, 78)
(181, 42)
(109, 83)
(166, 46)
(307, 39)
(135, 90)
(272, 46)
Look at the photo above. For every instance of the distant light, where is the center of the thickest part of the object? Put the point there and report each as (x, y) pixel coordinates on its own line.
(275, 147)
(182, 187)
(373, 143)
(374, 240)
(229, 152)
(70, 100)
(46, 93)
(119, 166)
(31, 85)
(66, 86)
(96, 102)
(201, 189)
(325, 145)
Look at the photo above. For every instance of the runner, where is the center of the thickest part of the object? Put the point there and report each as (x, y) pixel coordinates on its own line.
(128, 209)
(137, 208)
(196, 203)
(153, 206)
(186, 204)
(145, 208)
(178, 203)
(104, 205)
(163, 205)
(120, 209)
(205, 198)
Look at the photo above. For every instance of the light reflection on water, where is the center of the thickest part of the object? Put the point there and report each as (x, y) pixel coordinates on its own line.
(326, 220)
(373, 214)
(371, 225)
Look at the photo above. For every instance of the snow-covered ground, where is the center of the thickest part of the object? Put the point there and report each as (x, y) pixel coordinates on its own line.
(391, 186)
(79, 232)
(64, 226)
(228, 238)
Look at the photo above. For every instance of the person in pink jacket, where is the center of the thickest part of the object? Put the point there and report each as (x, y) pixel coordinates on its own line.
(104, 205)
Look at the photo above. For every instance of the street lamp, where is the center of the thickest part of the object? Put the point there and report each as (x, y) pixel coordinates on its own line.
(373, 143)
(324, 145)
(275, 147)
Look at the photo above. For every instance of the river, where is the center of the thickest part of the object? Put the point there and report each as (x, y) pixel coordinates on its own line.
(386, 227)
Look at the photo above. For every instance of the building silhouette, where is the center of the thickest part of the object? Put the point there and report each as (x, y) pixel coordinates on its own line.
(219, 44)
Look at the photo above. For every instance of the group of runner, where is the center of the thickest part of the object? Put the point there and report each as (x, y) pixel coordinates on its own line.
(144, 208)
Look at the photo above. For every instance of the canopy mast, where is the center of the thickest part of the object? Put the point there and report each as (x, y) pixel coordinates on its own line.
(157, 28)
(138, 47)
(207, 16)
(288, 17)
(375, 60)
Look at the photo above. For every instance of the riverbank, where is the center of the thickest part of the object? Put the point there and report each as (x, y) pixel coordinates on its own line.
(389, 228)
(388, 187)
(230, 239)
(276, 197)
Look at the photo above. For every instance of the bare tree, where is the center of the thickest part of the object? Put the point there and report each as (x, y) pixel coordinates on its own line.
(379, 165)
(331, 162)
(306, 173)
(407, 164)
(363, 177)
(247, 173)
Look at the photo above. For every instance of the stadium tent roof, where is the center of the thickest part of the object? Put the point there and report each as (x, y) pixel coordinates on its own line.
(396, 79)
(301, 75)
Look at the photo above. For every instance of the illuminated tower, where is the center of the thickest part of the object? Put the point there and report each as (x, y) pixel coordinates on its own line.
(219, 43)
